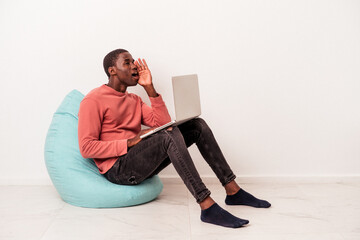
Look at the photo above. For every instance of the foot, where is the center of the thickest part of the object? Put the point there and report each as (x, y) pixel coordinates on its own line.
(244, 198)
(218, 216)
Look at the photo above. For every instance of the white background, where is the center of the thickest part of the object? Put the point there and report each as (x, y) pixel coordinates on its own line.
(279, 80)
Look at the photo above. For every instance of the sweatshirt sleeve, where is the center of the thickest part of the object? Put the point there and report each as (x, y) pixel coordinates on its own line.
(156, 115)
(89, 127)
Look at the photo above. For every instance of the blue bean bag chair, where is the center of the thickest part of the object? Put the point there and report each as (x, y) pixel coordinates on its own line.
(77, 179)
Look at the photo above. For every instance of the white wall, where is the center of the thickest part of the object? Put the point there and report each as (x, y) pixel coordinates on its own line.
(279, 80)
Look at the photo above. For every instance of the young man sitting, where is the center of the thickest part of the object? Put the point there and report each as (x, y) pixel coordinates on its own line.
(109, 131)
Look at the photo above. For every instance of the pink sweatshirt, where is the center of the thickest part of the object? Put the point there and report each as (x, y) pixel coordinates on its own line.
(107, 118)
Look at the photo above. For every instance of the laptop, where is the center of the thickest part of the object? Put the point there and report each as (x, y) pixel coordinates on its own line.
(186, 101)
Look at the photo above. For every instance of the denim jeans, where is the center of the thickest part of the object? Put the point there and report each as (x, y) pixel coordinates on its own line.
(154, 153)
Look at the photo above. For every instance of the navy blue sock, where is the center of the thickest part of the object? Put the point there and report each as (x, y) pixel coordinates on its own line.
(216, 215)
(244, 198)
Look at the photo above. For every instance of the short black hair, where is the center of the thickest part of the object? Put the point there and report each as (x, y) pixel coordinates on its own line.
(110, 59)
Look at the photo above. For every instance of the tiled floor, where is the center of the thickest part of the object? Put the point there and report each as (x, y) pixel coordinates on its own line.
(299, 211)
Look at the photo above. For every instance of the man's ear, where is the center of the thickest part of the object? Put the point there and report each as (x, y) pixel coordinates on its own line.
(111, 71)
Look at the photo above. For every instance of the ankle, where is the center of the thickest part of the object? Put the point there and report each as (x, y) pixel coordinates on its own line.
(232, 192)
(206, 203)
(231, 188)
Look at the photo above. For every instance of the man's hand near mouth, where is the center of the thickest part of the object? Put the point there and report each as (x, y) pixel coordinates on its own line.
(145, 78)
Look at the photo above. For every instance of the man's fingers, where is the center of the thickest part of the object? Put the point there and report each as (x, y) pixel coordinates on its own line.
(138, 65)
(146, 66)
(141, 63)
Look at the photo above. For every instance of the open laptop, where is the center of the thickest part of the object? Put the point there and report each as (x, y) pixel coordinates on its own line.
(186, 101)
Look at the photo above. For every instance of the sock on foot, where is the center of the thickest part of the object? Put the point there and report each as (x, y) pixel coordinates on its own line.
(244, 198)
(216, 215)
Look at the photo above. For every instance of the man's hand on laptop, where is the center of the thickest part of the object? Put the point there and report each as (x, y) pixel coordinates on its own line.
(135, 140)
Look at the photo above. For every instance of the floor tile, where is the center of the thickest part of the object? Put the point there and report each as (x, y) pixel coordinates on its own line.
(165, 218)
(27, 211)
(299, 211)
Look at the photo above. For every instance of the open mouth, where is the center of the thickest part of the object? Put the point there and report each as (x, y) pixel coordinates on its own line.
(135, 75)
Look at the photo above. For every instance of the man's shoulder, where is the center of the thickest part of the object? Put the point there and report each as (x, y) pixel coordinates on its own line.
(95, 93)
(94, 96)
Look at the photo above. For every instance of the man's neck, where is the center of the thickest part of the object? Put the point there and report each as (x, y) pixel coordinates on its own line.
(117, 86)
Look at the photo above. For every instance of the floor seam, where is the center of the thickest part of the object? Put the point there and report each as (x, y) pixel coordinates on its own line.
(52, 221)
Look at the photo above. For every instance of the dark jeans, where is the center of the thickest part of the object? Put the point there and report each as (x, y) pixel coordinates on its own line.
(154, 153)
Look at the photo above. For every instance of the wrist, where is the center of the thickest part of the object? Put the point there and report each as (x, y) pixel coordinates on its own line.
(148, 86)
(129, 144)
(150, 90)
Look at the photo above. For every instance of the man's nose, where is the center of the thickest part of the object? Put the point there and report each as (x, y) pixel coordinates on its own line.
(133, 66)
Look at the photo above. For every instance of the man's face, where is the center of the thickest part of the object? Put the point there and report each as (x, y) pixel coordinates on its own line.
(125, 70)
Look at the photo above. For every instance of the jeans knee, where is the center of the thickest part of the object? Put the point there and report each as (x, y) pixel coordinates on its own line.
(175, 132)
(172, 135)
(200, 121)
(200, 124)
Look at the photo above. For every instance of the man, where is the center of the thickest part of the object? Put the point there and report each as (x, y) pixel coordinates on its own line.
(109, 131)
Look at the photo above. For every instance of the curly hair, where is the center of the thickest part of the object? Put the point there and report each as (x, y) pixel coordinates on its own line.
(110, 59)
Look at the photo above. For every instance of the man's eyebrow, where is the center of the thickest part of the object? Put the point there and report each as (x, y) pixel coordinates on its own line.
(128, 59)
